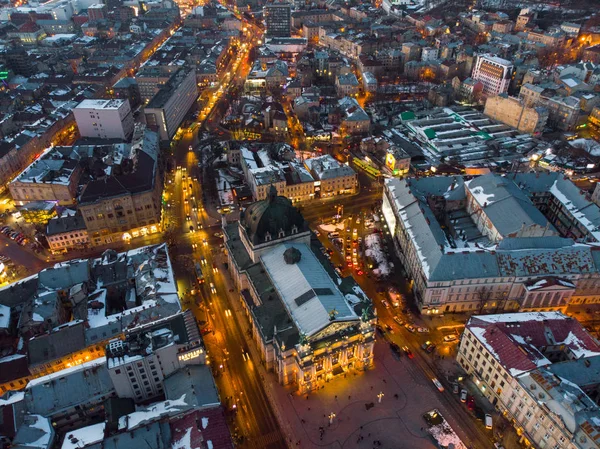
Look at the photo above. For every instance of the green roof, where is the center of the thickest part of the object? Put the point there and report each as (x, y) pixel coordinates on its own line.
(430, 133)
(483, 134)
(407, 115)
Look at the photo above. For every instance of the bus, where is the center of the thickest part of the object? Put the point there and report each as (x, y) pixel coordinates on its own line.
(199, 275)
(369, 169)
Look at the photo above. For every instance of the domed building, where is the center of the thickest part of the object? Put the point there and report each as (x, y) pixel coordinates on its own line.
(309, 325)
(269, 222)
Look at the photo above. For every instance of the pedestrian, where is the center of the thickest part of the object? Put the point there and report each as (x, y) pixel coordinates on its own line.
(336, 397)
(307, 397)
(384, 381)
(371, 387)
(349, 397)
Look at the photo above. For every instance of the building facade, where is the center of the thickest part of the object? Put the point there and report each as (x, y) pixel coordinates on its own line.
(332, 177)
(519, 248)
(122, 207)
(494, 73)
(512, 112)
(278, 21)
(532, 368)
(306, 329)
(167, 109)
(104, 119)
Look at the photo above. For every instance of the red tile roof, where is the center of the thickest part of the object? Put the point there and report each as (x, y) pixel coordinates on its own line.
(518, 340)
(28, 27)
(203, 425)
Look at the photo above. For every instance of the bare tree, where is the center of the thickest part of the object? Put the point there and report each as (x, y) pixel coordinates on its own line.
(483, 295)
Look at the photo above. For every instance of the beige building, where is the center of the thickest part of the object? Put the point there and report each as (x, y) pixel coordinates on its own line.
(331, 177)
(52, 177)
(67, 232)
(307, 329)
(123, 207)
(513, 112)
(538, 370)
(530, 94)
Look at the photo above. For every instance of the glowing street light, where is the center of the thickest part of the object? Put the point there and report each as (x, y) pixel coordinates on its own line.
(331, 416)
(380, 395)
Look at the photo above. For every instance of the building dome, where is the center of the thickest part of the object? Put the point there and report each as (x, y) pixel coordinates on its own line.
(271, 219)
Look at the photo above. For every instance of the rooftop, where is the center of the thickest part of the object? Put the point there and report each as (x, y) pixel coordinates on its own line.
(101, 104)
(520, 342)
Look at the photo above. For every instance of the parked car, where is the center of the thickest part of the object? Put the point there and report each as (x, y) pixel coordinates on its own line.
(450, 338)
(408, 352)
(463, 395)
(409, 327)
(488, 421)
(423, 330)
(385, 304)
(398, 320)
(396, 349)
(455, 388)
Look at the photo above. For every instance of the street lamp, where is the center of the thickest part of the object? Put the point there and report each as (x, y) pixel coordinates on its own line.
(380, 395)
(331, 416)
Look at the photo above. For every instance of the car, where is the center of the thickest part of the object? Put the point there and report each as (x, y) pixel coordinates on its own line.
(204, 242)
(348, 239)
(202, 260)
(213, 290)
(389, 328)
(360, 272)
(463, 395)
(338, 271)
(488, 421)
(398, 320)
(215, 268)
(423, 330)
(385, 304)
(358, 220)
(348, 248)
(354, 231)
(430, 348)
(471, 403)
(438, 385)
(349, 264)
(396, 349)
(425, 345)
(450, 338)
(188, 218)
(455, 389)
(348, 230)
(190, 148)
(410, 328)
(191, 228)
(354, 251)
(317, 233)
(408, 352)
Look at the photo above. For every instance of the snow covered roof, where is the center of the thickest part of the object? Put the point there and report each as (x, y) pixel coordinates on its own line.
(307, 291)
(35, 433)
(517, 340)
(85, 436)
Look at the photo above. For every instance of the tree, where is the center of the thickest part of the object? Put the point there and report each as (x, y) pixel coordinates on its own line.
(483, 295)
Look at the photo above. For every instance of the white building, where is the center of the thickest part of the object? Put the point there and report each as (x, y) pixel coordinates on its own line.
(494, 73)
(537, 369)
(167, 109)
(104, 119)
(149, 354)
(429, 54)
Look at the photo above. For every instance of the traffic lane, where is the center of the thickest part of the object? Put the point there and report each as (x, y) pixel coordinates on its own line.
(20, 256)
(473, 430)
(256, 407)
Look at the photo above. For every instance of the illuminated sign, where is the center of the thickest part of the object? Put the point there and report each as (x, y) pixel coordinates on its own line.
(190, 355)
(390, 161)
(3, 75)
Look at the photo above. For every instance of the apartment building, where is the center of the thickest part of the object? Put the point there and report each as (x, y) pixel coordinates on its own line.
(126, 206)
(494, 73)
(520, 242)
(513, 112)
(151, 78)
(346, 84)
(331, 176)
(167, 109)
(138, 365)
(278, 21)
(532, 368)
(52, 177)
(104, 119)
(67, 232)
